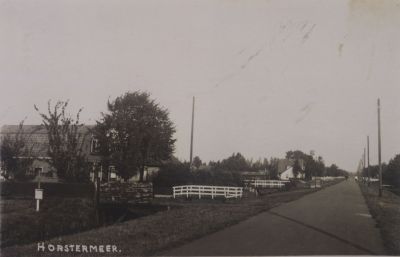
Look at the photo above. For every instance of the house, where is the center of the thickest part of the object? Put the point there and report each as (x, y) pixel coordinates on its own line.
(37, 142)
(285, 169)
(288, 174)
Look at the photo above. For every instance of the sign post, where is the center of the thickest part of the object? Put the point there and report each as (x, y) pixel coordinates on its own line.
(38, 193)
(38, 197)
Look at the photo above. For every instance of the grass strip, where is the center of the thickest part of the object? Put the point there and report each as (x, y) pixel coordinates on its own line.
(386, 212)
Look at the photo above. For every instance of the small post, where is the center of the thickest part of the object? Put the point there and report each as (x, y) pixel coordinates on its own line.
(38, 197)
(364, 164)
(38, 193)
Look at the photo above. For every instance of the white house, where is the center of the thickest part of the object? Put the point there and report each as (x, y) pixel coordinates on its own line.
(288, 174)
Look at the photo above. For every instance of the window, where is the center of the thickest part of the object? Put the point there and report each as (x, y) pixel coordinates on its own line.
(39, 171)
(94, 146)
(112, 175)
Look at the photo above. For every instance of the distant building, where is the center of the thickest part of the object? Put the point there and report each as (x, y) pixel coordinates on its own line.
(252, 175)
(285, 169)
(38, 143)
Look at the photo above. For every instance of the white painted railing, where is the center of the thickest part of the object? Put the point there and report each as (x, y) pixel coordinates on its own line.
(267, 183)
(213, 191)
(329, 178)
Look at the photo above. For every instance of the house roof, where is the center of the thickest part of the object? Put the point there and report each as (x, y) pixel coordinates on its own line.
(36, 129)
(36, 138)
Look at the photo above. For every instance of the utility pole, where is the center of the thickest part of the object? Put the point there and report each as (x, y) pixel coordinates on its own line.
(368, 160)
(191, 136)
(379, 148)
(363, 172)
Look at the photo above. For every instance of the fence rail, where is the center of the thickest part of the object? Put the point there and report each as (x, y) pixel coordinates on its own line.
(266, 183)
(213, 191)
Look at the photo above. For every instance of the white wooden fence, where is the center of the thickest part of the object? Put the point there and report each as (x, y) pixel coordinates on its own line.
(213, 191)
(267, 183)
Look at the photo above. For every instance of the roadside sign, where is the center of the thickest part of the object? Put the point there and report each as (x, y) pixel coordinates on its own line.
(38, 194)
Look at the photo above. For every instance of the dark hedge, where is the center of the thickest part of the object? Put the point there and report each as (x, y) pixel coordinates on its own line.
(27, 189)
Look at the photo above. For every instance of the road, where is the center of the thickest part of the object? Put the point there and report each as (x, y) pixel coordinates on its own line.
(333, 221)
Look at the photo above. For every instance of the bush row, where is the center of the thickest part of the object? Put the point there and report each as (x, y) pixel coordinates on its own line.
(177, 174)
(27, 189)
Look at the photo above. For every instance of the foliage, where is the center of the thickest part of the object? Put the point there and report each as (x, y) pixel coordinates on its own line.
(259, 165)
(172, 174)
(235, 162)
(12, 147)
(391, 174)
(312, 166)
(135, 132)
(273, 168)
(26, 189)
(65, 142)
(177, 173)
(334, 171)
(374, 171)
(197, 162)
(296, 168)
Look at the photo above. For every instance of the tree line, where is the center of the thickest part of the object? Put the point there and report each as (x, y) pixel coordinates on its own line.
(390, 172)
(229, 171)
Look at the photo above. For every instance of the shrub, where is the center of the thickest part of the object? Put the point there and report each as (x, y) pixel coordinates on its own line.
(27, 189)
(176, 174)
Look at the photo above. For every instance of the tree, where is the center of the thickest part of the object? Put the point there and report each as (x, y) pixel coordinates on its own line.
(295, 155)
(65, 147)
(135, 132)
(332, 171)
(312, 166)
(320, 167)
(16, 154)
(236, 162)
(296, 168)
(391, 173)
(197, 162)
(273, 168)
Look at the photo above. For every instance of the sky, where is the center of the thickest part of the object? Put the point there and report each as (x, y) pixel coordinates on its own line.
(268, 76)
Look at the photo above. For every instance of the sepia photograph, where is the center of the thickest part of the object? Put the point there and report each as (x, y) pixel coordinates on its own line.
(199, 128)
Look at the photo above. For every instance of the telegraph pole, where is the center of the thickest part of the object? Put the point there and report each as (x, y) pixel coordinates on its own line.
(368, 160)
(379, 148)
(364, 162)
(191, 136)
